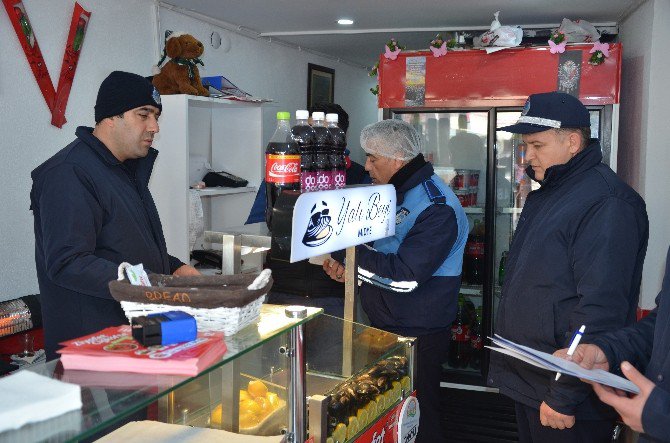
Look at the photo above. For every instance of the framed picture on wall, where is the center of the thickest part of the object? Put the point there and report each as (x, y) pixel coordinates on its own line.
(320, 85)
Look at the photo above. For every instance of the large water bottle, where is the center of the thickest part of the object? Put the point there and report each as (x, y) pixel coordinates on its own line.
(337, 161)
(324, 146)
(304, 135)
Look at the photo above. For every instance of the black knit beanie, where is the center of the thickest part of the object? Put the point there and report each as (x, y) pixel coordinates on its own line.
(123, 91)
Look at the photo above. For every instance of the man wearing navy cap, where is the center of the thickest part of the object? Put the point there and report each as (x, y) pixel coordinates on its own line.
(575, 259)
(93, 210)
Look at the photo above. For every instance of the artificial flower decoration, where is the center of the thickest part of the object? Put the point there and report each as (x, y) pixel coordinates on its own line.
(600, 52)
(557, 43)
(438, 46)
(392, 49)
(373, 71)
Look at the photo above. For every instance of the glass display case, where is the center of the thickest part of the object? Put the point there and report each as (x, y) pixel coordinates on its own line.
(348, 373)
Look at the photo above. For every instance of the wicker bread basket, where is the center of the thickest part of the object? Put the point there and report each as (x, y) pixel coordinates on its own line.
(225, 303)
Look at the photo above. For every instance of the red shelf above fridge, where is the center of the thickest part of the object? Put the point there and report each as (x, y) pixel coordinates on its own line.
(474, 78)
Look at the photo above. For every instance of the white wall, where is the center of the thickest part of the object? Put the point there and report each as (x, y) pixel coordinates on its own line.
(118, 37)
(121, 36)
(279, 72)
(644, 133)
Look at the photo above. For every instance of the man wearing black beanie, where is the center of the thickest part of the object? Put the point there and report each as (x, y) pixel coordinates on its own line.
(93, 210)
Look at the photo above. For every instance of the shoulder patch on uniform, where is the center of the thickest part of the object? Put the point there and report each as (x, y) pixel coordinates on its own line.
(400, 215)
(434, 193)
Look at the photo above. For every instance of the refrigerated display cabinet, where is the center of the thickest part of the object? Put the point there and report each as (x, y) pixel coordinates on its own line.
(457, 102)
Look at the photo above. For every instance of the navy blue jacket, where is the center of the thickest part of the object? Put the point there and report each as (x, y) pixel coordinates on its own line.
(576, 259)
(645, 345)
(91, 213)
(431, 307)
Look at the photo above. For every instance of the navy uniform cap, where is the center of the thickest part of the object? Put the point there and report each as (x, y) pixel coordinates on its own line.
(550, 110)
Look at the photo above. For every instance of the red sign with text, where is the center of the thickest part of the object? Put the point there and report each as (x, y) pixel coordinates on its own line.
(385, 430)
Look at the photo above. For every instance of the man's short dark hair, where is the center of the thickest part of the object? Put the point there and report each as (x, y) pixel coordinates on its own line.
(333, 108)
(585, 133)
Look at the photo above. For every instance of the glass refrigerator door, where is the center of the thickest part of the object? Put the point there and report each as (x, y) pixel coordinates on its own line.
(513, 185)
(456, 144)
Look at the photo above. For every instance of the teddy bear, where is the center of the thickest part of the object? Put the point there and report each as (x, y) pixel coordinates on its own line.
(180, 74)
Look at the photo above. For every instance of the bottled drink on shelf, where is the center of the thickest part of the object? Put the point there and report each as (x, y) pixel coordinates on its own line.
(476, 340)
(501, 268)
(522, 190)
(473, 259)
(323, 148)
(459, 347)
(282, 164)
(304, 135)
(337, 161)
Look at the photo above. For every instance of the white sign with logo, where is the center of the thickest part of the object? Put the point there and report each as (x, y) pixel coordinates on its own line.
(327, 221)
(408, 421)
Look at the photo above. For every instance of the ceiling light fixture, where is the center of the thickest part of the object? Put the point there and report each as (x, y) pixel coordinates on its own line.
(345, 21)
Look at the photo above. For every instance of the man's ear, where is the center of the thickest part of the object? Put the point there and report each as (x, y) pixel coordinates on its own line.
(575, 140)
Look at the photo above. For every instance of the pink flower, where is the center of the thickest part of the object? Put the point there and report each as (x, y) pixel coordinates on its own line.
(555, 48)
(438, 52)
(602, 47)
(391, 55)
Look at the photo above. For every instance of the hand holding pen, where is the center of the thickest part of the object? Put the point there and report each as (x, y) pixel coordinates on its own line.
(573, 344)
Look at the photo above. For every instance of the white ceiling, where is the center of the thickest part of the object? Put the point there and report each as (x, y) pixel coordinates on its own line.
(312, 24)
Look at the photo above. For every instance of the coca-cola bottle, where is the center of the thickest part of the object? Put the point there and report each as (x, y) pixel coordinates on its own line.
(476, 340)
(304, 135)
(282, 164)
(459, 347)
(473, 259)
(337, 161)
(323, 148)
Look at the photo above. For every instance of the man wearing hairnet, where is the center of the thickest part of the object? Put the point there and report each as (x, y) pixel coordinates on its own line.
(410, 281)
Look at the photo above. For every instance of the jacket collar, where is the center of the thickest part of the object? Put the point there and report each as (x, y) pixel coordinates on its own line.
(142, 167)
(584, 160)
(411, 175)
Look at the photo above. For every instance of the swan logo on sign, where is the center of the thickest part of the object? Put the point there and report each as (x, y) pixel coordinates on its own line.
(318, 229)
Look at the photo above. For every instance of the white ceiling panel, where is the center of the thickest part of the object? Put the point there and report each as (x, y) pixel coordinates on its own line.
(263, 17)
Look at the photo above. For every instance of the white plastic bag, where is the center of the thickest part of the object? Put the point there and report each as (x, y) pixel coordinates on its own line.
(499, 36)
(579, 31)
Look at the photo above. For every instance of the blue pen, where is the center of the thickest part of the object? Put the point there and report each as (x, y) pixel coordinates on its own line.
(573, 344)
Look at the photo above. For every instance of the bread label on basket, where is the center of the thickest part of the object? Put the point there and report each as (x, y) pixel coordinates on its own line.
(178, 297)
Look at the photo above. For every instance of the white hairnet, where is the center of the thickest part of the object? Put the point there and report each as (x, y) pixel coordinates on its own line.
(391, 139)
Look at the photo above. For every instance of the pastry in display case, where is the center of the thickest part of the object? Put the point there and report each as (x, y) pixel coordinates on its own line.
(354, 375)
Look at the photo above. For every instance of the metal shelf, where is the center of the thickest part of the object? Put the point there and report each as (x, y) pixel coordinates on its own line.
(209, 192)
(509, 210)
(472, 289)
(480, 210)
(473, 210)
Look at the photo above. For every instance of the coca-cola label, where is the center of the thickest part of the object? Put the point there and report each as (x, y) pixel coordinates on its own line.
(308, 181)
(339, 179)
(474, 249)
(282, 168)
(324, 180)
(460, 333)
